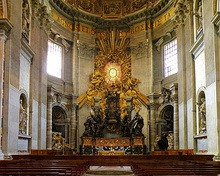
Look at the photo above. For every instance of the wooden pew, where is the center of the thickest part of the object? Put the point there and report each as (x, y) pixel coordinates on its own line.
(183, 164)
(173, 167)
(39, 166)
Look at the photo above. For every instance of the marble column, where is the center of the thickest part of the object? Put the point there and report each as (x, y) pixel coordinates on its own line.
(174, 94)
(153, 98)
(5, 27)
(49, 120)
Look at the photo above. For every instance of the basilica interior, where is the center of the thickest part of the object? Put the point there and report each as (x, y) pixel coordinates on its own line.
(109, 77)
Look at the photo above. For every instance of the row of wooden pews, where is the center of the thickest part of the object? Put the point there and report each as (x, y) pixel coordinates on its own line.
(53, 163)
(175, 167)
(43, 167)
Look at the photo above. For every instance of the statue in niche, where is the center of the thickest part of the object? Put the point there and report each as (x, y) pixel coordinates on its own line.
(199, 17)
(137, 124)
(22, 119)
(25, 19)
(202, 116)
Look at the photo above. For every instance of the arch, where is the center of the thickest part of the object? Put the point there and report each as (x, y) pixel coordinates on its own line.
(167, 116)
(164, 126)
(24, 97)
(161, 122)
(200, 92)
(59, 114)
(60, 123)
(61, 106)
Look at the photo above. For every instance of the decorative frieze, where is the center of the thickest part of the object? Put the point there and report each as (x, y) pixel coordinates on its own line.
(166, 95)
(85, 50)
(140, 49)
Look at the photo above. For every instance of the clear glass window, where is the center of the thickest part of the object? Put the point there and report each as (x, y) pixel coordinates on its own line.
(54, 59)
(170, 58)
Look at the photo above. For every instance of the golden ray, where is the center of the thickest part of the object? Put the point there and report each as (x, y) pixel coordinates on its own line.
(113, 48)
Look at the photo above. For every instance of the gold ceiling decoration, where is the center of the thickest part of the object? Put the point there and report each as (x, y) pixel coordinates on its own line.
(111, 8)
(113, 73)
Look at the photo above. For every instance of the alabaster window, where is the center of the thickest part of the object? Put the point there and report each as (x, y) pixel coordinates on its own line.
(54, 59)
(170, 58)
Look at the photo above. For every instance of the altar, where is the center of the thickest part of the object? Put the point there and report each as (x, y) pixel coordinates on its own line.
(111, 132)
(113, 146)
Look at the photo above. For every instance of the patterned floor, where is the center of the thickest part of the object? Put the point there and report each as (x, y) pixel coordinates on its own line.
(109, 170)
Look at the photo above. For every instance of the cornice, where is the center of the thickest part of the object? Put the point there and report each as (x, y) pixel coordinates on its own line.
(62, 8)
(161, 7)
(76, 14)
(5, 25)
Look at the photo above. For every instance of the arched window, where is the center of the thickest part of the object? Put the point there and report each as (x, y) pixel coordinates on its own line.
(54, 59)
(170, 58)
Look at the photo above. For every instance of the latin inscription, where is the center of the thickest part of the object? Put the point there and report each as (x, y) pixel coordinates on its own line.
(65, 23)
(163, 18)
(84, 29)
(138, 28)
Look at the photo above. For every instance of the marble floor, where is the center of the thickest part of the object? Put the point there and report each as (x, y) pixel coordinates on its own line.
(109, 170)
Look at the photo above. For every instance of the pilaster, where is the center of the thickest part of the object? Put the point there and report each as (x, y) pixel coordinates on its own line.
(5, 27)
(49, 118)
(216, 22)
(73, 123)
(153, 98)
(174, 96)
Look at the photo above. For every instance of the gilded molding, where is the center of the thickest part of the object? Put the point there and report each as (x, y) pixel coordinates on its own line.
(120, 13)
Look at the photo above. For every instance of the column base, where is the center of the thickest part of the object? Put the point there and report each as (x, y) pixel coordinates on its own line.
(216, 158)
(8, 157)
